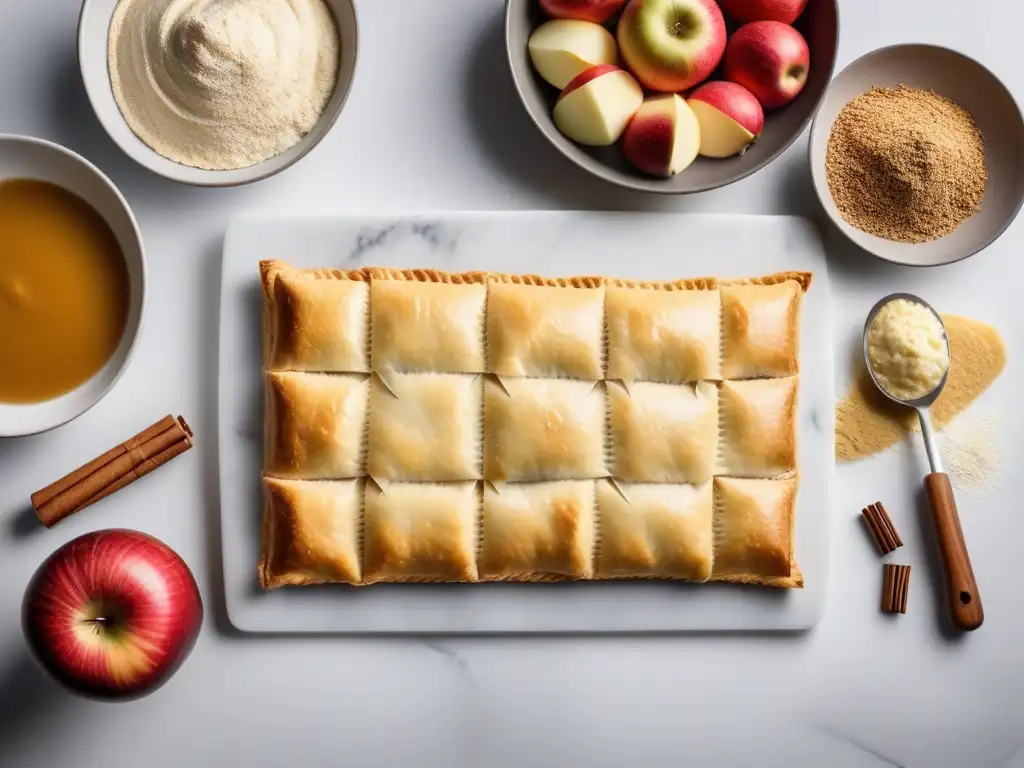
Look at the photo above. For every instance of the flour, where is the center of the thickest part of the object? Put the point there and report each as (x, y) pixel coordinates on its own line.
(222, 84)
(971, 451)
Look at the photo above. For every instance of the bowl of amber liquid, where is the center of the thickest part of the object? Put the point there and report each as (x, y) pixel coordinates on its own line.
(72, 285)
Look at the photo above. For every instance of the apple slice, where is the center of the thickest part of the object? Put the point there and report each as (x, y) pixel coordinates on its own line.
(562, 49)
(595, 108)
(664, 136)
(730, 118)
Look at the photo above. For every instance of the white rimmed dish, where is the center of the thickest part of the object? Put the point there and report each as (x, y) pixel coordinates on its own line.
(93, 29)
(996, 114)
(30, 158)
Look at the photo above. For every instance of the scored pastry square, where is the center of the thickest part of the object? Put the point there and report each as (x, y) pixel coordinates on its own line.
(421, 326)
(420, 532)
(543, 429)
(664, 336)
(761, 329)
(655, 531)
(753, 528)
(315, 425)
(663, 433)
(538, 529)
(545, 331)
(758, 421)
(315, 320)
(310, 532)
(425, 427)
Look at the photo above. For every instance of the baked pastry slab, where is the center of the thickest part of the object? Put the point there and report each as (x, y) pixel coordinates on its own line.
(535, 530)
(655, 531)
(315, 425)
(314, 320)
(761, 328)
(758, 424)
(664, 336)
(753, 531)
(310, 532)
(545, 330)
(425, 427)
(543, 429)
(421, 532)
(427, 327)
(663, 433)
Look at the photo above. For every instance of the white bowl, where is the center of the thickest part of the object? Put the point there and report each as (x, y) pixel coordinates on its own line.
(93, 29)
(996, 114)
(26, 157)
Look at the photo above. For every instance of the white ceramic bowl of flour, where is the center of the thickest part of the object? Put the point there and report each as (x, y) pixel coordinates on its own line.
(93, 34)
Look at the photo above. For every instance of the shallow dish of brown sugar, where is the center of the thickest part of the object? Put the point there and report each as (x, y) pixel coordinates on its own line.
(917, 155)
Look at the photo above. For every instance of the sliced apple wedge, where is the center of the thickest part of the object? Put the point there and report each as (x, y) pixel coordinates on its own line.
(730, 117)
(595, 108)
(664, 136)
(562, 49)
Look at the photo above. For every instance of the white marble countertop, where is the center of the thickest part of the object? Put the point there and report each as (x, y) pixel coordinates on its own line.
(433, 123)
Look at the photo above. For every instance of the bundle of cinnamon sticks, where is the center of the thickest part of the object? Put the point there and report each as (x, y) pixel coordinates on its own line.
(118, 467)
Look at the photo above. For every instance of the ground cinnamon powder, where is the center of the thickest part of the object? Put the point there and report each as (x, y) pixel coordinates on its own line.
(905, 164)
(868, 423)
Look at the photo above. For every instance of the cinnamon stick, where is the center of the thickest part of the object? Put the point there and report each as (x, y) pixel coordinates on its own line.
(118, 467)
(895, 588)
(887, 539)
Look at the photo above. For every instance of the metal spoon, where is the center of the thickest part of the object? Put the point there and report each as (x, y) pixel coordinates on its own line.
(961, 588)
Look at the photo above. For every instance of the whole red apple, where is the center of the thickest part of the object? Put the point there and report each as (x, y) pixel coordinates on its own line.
(770, 59)
(112, 614)
(597, 11)
(746, 11)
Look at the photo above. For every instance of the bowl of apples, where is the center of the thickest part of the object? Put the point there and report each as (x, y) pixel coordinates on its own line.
(672, 96)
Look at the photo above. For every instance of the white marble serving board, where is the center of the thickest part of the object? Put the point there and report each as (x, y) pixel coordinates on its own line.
(629, 245)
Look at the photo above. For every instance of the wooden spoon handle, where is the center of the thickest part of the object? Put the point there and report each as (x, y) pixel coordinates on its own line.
(961, 588)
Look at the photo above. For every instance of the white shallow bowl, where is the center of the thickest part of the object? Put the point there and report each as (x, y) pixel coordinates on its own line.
(93, 29)
(976, 89)
(26, 157)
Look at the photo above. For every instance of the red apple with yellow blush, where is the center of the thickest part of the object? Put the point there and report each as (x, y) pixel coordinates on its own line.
(112, 614)
(770, 59)
(746, 11)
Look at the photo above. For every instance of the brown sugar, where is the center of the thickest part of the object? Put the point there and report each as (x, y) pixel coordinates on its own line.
(868, 423)
(905, 164)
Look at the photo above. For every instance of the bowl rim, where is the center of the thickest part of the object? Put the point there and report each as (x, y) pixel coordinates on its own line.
(209, 177)
(821, 185)
(653, 185)
(14, 138)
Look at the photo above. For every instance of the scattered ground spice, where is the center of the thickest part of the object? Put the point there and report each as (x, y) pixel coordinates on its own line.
(868, 423)
(905, 164)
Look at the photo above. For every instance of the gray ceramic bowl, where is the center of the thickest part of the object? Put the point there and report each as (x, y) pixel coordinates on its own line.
(93, 27)
(996, 114)
(819, 24)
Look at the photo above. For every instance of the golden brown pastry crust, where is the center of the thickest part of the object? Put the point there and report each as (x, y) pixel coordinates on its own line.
(538, 529)
(427, 327)
(315, 425)
(420, 532)
(758, 427)
(761, 329)
(543, 429)
(654, 531)
(551, 433)
(310, 532)
(545, 331)
(666, 336)
(753, 531)
(425, 427)
(663, 433)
